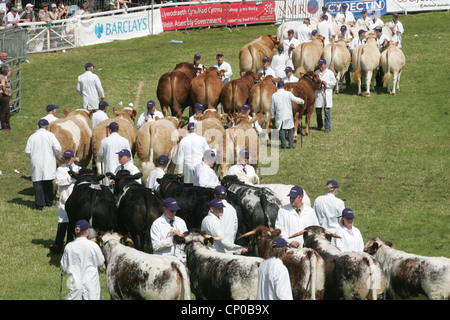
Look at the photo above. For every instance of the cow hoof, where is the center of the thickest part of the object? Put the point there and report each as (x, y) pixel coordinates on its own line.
(367, 95)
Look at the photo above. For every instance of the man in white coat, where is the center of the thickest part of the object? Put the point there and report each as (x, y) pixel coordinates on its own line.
(357, 41)
(375, 21)
(108, 149)
(304, 31)
(229, 218)
(345, 14)
(328, 207)
(126, 163)
(149, 115)
(65, 185)
(364, 21)
(279, 62)
(212, 225)
(266, 70)
(42, 148)
(324, 95)
(198, 109)
(90, 88)
(189, 153)
(243, 169)
(289, 77)
(398, 30)
(157, 173)
(289, 45)
(100, 114)
(325, 29)
(295, 216)
(204, 174)
(281, 109)
(223, 65)
(52, 110)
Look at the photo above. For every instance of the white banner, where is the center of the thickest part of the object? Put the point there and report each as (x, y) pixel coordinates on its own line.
(118, 27)
(417, 5)
(292, 10)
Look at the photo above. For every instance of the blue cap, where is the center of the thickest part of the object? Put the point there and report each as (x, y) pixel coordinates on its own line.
(314, 32)
(280, 47)
(220, 190)
(291, 31)
(102, 104)
(216, 203)
(324, 16)
(295, 192)
(82, 225)
(322, 61)
(395, 15)
(364, 11)
(288, 69)
(373, 12)
(343, 27)
(191, 126)
(347, 213)
(51, 107)
(171, 204)
(197, 56)
(279, 243)
(163, 159)
(324, 8)
(124, 152)
(113, 125)
(245, 107)
(361, 31)
(266, 59)
(280, 84)
(150, 104)
(198, 106)
(333, 183)
(68, 154)
(220, 54)
(43, 123)
(344, 5)
(244, 153)
(89, 64)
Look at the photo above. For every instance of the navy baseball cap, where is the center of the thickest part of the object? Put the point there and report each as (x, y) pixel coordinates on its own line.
(395, 15)
(197, 56)
(361, 31)
(68, 154)
(82, 225)
(322, 61)
(51, 107)
(216, 203)
(343, 27)
(124, 152)
(279, 243)
(171, 204)
(288, 69)
(324, 8)
(150, 104)
(43, 122)
(333, 183)
(198, 106)
(245, 107)
(163, 159)
(347, 213)
(113, 125)
(280, 84)
(324, 16)
(220, 190)
(280, 47)
(244, 153)
(266, 59)
(220, 54)
(191, 126)
(314, 32)
(364, 11)
(291, 31)
(295, 192)
(102, 104)
(344, 5)
(89, 64)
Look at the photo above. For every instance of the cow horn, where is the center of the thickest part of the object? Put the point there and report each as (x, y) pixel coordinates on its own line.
(297, 234)
(332, 234)
(207, 236)
(250, 233)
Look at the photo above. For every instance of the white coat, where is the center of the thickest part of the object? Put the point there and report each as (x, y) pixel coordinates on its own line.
(348, 16)
(229, 221)
(398, 31)
(204, 176)
(376, 22)
(65, 185)
(189, 155)
(355, 43)
(325, 100)
(325, 29)
(380, 41)
(304, 33)
(161, 236)
(98, 117)
(107, 152)
(90, 87)
(238, 170)
(212, 225)
(287, 44)
(328, 209)
(364, 22)
(141, 120)
(291, 222)
(267, 72)
(281, 108)
(50, 118)
(41, 149)
(351, 240)
(81, 258)
(273, 281)
(130, 167)
(279, 62)
(292, 78)
(228, 72)
(156, 173)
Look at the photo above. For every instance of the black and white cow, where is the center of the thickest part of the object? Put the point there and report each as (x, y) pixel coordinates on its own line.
(218, 276)
(91, 201)
(135, 275)
(138, 206)
(260, 205)
(349, 275)
(409, 275)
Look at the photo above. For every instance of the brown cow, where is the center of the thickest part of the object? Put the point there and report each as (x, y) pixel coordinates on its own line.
(306, 56)
(206, 88)
(306, 267)
(154, 139)
(304, 88)
(173, 89)
(125, 119)
(236, 92)
(74, 133)
(251, 55)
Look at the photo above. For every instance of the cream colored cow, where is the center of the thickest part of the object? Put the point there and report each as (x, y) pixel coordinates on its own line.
(338, 59)
(366, 59)
(392, 61)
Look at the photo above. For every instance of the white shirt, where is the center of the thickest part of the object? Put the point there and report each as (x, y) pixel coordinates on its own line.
(291, 222)
(189, 154)
(348, 16)
(361, 22)
(192, 118)
(229, 221)
(212, 225)
(292, 78)
(161, 236)
(355, 43)
(244, 170)
(376, 22)
(141, 120)
(398, 31)
(328, 209)
(90, 88)
(81, 258)
(267, 72)
(228, 72)
(156, 173)
(380, 40)
(273, 281)
(41, 149)
(327, 99)
(50, 118)
(325, 29)
(281, 108)
(11, 18)
(351, 240)
(130, 167)
(65, 185)
(279, 62)
(107, 152)
(98, 117)
(204, 176)
(304, 33)
(287, 43)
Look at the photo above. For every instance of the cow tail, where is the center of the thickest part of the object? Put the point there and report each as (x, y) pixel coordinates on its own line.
(313, 274)
(357, 66)
(184, 289)
(387, 75)
(333, 49)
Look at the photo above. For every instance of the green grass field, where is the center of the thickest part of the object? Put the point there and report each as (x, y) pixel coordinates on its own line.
(390, 154)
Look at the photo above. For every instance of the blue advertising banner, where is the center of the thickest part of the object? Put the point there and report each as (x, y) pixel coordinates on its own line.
(355, 7)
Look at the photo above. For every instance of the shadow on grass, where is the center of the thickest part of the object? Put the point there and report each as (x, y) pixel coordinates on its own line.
(54, 259)
(23, 202)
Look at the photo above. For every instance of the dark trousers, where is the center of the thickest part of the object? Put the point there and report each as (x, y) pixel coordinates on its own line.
(5, 112)
(320, 120)
(379, 77)
(61, 234)
(282, 135)
(43, 193)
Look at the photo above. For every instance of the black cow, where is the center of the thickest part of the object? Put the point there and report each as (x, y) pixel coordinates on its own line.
(91, 201)
(260, 205)
(138, 206)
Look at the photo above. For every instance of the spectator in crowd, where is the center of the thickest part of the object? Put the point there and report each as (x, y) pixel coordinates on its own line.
(92, 6)
(100, 114)
(295, 216)
(273, 277)
(52, 110)
(345, 15)
(223, 65)
(212, 225)
(62, 10)
(328, 207)
(157, 173)
(27, 16)
(325, 29)
(189, 153)
(279, 62)
(364, 21)
(2, 20)
(121, 4)
(5, 95)
(165, 228)
(375, 20)
(65, 185)
(266, 70)
(243, 168)
(398, 30)
(54, 14)
(90, 88)
(43, 14)
(13, 18)
(198, 111)
(304, 31)
(41, 148)
(229, 218)
(281, 110)
(289, 45)
(83, 10)
(198, 64)
(204, 174)
(126, 163)
(324, 95)
(82, 258)
(149, 115)
(351, 239)
(289, 75)
(3, 57)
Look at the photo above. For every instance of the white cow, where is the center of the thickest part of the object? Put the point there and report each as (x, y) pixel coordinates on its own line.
(338, 59)
(366, 59)
(392, 61)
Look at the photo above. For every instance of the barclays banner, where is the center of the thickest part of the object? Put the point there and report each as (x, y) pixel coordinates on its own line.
(357, 6)
(118, 27)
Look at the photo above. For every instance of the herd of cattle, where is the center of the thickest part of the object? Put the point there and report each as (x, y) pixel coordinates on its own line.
(317, 271)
